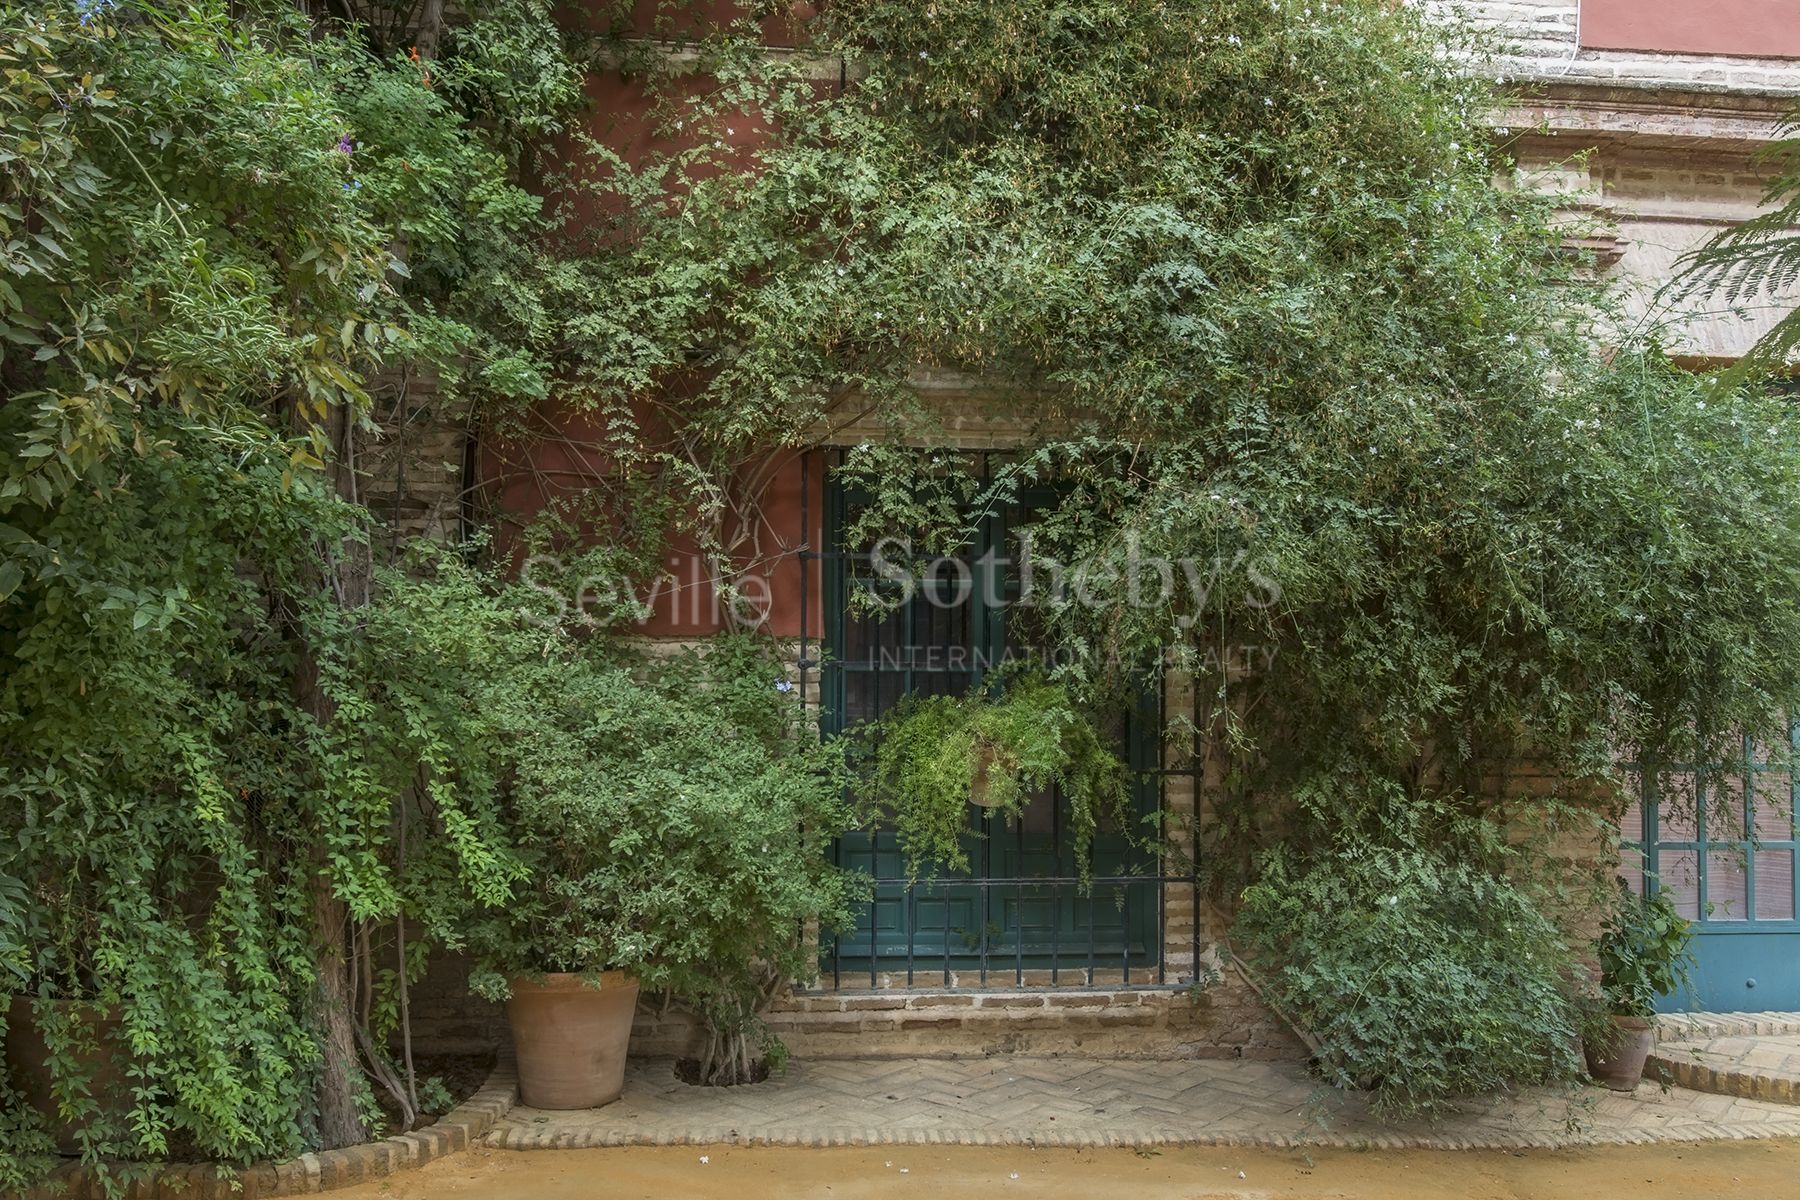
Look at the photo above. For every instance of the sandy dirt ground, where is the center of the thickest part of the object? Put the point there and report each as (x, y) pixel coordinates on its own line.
(1707, 1171)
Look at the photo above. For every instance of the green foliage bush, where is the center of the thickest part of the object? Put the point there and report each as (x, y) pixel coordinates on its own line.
(1643, 952)
(1248, 259)
(1426, 971)
(674, 816)
(153, 804)
(208, 214)
(1243, 271)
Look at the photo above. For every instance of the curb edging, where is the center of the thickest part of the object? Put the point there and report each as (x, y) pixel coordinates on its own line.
(520, 1139)
(319, 1171)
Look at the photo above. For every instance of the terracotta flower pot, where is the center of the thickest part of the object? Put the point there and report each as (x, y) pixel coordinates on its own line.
(1620, 1066)
(28, 1063)
(978, 783)
(571, 1037)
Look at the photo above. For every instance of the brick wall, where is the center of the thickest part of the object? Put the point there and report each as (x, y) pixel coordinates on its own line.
(1544, 47)
(1225, 1020)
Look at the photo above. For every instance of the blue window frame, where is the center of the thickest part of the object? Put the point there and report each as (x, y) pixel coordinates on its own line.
(1725, 849)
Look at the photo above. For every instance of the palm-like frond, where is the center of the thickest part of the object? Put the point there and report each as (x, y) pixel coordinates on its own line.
(1759, 257)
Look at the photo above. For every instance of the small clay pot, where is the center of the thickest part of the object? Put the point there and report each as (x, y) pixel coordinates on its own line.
(1620, 1066)
(28, 1062)
(571, 1035)
(978, 783)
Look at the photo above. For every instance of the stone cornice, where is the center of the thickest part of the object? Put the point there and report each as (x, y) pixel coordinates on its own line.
(1564, 119)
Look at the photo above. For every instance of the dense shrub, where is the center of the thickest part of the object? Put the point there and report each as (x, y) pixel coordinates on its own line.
(1424, 970)
(1424, 504)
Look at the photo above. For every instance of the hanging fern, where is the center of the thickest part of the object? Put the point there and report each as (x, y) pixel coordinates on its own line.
(931, 757)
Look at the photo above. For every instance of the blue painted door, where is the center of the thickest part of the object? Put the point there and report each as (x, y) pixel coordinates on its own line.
(1725, 850)
(1020, 905)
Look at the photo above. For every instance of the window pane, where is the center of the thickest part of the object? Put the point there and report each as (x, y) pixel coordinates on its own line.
(1775, 814)
(1727, 893)
(1680, 877)
(1631, 825)
(1676, 798)
(874, 637)
(1725, 809)
(1774, 885)
(1631, 868)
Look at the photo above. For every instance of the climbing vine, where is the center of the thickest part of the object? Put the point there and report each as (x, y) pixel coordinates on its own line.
(1301, 378)
(231, 234)
(1240, 266)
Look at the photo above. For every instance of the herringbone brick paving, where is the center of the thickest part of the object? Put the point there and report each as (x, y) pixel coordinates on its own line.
(1087, 1102)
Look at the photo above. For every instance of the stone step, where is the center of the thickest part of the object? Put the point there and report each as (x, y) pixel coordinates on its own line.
(1704, 1026)
(1746, 1066)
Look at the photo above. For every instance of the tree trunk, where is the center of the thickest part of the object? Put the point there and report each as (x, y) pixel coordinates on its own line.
(340, 1122)
(431, 25)
(343, 572)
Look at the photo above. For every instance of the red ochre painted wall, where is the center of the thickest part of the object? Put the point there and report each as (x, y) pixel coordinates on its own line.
(564, 455)
(520, 478)
(1750, 28)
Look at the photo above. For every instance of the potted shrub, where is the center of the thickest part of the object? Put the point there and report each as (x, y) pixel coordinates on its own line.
(1643, 954)
(930, 758)
(675, 818)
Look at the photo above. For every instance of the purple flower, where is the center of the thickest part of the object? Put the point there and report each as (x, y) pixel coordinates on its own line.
(784, 685)
(345, 145)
